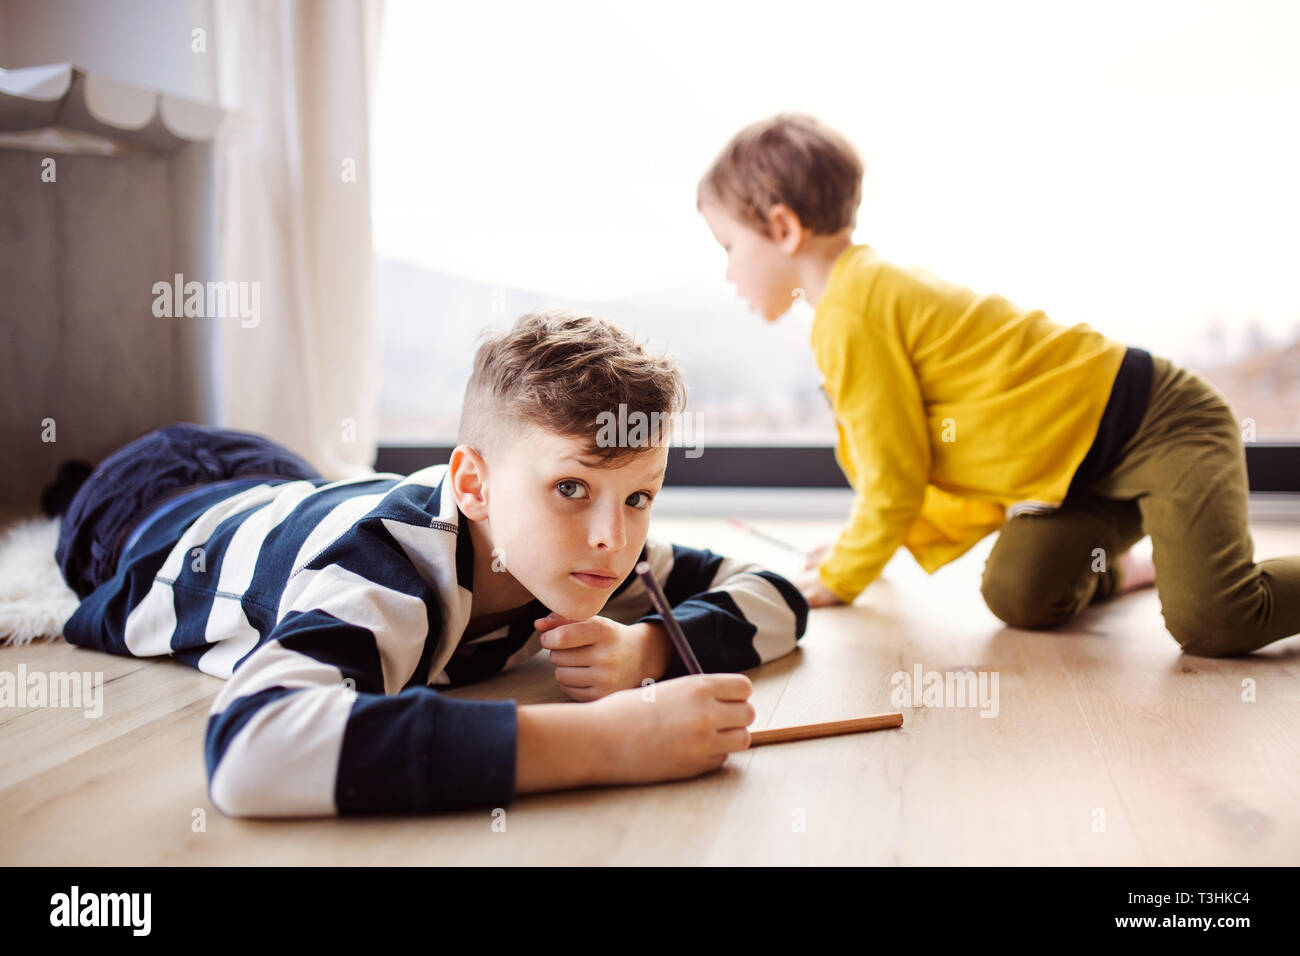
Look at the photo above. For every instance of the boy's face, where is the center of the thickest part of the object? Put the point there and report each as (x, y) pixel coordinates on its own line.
(567, 531)
(762, 271)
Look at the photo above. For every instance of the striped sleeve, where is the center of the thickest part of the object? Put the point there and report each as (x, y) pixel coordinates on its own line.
(330, 716)
(735, 614)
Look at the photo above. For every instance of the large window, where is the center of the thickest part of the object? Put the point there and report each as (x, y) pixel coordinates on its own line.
(1131, 166)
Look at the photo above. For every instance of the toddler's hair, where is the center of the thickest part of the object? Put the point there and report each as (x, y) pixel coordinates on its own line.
(789, 158)
(560, 371)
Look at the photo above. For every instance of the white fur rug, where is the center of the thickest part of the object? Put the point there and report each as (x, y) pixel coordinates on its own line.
(35, 601)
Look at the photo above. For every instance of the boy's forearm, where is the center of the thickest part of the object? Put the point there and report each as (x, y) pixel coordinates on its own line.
(559, 746)
(564, 745)
(658, 647)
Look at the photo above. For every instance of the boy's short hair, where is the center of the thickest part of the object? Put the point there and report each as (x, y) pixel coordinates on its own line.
(560, 371)
(790, 158)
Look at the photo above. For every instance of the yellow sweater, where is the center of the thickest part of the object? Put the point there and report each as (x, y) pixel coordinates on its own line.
(955, 411)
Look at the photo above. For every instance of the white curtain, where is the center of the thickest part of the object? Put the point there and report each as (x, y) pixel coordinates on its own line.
(293, 212)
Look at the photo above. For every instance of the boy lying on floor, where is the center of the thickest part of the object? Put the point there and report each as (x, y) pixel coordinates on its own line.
(334, 608)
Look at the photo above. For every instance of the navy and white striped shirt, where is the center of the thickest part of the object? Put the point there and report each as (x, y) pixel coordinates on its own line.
(333, 610)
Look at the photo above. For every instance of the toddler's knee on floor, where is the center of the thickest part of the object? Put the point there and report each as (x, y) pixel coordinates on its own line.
(1019, 605)
(1204, 635)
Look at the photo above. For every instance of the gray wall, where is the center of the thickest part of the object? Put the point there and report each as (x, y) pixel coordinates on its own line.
(79, 257)
(145, 42)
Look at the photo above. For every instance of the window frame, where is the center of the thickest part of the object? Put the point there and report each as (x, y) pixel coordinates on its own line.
(1272, 466)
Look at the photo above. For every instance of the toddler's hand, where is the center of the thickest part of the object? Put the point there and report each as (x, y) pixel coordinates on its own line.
(817, 594)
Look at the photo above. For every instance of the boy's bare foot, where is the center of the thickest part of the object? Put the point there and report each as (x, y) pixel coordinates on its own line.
(1135, 571)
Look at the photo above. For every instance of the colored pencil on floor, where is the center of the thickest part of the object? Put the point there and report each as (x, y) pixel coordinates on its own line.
(775, 735)
(854, 725)
(736, 522)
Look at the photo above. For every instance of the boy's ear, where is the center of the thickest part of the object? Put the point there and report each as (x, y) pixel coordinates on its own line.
(467, 473)
(785, 228)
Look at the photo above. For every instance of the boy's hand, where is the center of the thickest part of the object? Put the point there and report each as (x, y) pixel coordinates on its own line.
(686, 727)
(598, 656)
(818, 595)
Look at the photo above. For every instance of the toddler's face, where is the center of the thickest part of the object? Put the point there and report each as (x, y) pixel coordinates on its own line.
(761, 271)
(567, 531)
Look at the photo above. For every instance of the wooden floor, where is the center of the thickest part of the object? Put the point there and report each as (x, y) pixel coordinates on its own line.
(1108, 747)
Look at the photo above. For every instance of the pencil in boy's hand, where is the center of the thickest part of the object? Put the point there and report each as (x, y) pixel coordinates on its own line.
(854, 725)
(736, 522)
(674, 629)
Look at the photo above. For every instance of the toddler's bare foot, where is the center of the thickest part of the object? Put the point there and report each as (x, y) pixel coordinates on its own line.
(1135, 571)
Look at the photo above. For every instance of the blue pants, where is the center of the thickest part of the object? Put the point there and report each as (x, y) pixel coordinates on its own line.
(140, 476)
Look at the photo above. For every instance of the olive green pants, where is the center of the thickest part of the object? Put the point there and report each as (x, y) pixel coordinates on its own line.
(1182, 479)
